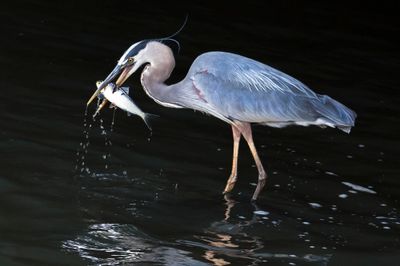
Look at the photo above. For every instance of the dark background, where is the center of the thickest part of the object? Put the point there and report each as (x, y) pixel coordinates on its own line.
(161, 191)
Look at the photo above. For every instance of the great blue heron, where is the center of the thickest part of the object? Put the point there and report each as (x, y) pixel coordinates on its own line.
(233, 88)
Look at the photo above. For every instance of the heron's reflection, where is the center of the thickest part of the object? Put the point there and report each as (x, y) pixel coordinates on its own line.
(227, 238)
(227, 241)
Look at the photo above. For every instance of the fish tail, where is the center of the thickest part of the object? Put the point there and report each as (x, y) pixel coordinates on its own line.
(147, 117)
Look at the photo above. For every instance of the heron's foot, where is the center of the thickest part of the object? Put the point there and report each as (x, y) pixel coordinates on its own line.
(230, 184)
(262, 179)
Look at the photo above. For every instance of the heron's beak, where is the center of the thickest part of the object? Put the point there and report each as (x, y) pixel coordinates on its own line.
(124, 76)
(110, 77)
(105, 101)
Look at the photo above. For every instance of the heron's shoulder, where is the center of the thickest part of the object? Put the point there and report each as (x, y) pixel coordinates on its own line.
(219, 53)
(224, 57)
(218, 61)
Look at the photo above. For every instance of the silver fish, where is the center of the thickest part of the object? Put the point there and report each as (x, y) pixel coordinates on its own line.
(121, 99)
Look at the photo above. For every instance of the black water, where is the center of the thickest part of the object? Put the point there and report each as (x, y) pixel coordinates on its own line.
(136, 197)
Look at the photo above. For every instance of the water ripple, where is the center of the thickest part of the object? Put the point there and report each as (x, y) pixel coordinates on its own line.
(359, 188)
(119, 244)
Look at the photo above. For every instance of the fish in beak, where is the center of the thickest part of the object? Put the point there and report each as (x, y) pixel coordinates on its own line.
(103, 84)
(129, 62)
(121, 79)
(119, 98)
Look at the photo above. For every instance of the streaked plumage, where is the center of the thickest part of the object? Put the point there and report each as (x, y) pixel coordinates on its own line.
(239, 88)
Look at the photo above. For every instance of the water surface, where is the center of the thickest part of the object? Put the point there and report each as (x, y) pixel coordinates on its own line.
(155, 198)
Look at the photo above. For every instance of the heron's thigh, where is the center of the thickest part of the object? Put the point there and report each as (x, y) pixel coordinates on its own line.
(244, 128)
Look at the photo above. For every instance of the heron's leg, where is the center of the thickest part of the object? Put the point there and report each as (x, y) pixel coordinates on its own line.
(233, 177)
(262, 176)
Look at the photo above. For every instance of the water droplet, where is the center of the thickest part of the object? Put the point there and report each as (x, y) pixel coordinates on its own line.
(330, 173)
(263, 213)
(343, 196)
(315, 205)
(361, 145)
(306, 223)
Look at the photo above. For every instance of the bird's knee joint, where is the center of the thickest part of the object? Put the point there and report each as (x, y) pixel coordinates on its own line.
(232, 179)
(262, 176)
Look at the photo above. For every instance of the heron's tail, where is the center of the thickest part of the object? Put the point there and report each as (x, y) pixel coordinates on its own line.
(335, 113)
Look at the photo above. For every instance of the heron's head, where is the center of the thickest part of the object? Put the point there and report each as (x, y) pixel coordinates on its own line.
(135, 56)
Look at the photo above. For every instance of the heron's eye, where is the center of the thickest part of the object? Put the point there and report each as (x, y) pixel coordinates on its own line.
(131, 60)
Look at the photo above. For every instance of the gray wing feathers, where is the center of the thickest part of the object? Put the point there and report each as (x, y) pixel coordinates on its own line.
(242, 89)
(251, 74)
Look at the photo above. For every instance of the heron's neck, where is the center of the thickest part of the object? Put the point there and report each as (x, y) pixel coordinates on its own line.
(153, 77)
